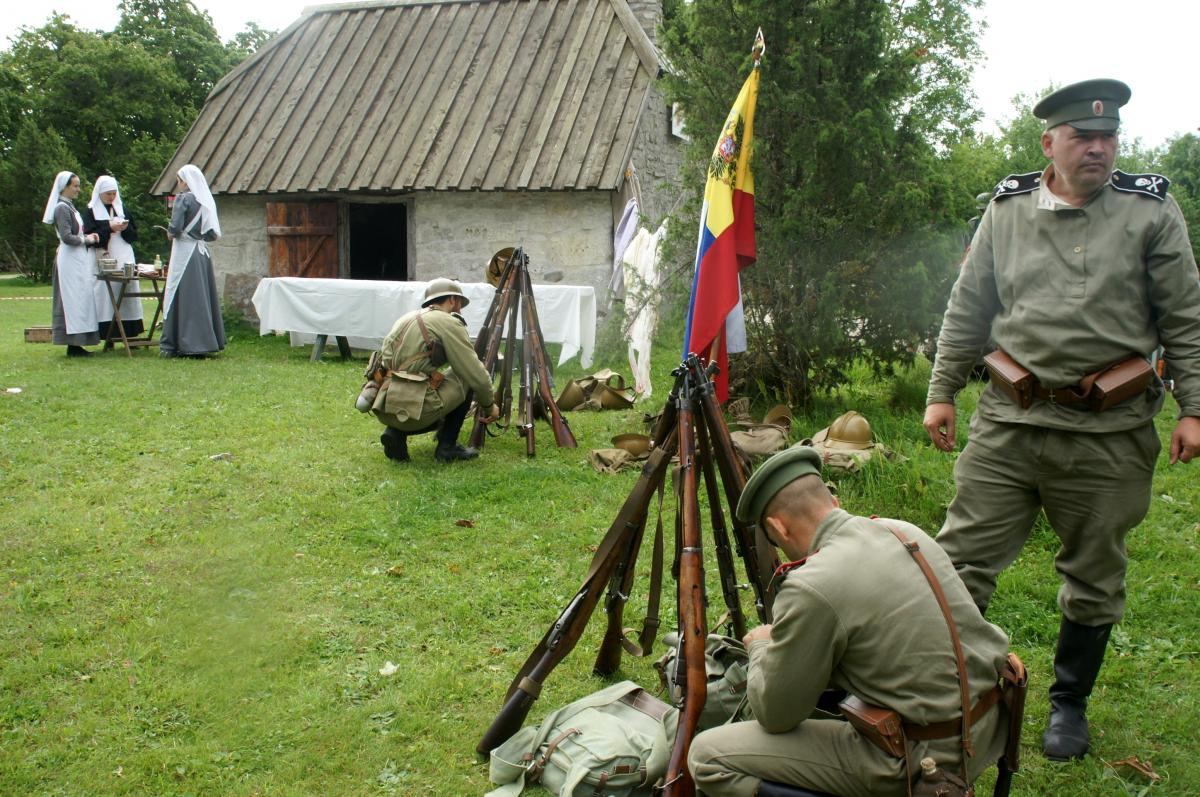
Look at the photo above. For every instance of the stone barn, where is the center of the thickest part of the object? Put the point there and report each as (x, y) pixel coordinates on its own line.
(405, 140)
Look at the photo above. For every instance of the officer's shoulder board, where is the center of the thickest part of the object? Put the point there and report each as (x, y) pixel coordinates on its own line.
(1017, 184)
(1151, 185)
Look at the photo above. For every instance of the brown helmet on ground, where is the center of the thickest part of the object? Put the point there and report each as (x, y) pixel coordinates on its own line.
(850, 431)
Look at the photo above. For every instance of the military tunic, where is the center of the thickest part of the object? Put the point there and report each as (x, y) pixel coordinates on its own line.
(860, 616)
(407, 402)
(1066, 291)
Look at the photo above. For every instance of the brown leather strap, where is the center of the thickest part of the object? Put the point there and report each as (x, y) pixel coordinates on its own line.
(1073, 397)
(536, 771)
(964, 686)
(948, 728)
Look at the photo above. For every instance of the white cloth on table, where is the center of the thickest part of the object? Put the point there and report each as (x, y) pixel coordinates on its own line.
(364, 310)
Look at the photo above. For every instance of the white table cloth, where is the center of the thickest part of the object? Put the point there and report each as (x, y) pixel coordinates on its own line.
(364, 310)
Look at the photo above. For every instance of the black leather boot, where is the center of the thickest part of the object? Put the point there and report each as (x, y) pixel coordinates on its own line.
(78, 351)
(1076, 665)
(769, 788)
(448, 448)
(395, 444)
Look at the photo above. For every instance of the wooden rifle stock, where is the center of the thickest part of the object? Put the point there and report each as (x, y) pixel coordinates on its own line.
(693, 626)
(564, 634)
(562, 433)
(489, 342)
(752, 543)
(725, 568)
(526, 403)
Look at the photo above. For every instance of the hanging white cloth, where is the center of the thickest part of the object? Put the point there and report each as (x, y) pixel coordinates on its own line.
(76, 279)
(627, 227)
(182, 249)
(208, 207)
(642, 281)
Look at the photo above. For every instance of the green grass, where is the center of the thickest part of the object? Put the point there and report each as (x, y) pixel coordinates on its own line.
(175, 624)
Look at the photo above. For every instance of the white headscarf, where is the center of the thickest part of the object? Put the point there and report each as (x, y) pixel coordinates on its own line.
(199, 187)
(105, 183)
(60, 182)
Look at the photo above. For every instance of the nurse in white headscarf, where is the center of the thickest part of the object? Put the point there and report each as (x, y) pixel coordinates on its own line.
(74, 279)
(192, 325)
(105, 215)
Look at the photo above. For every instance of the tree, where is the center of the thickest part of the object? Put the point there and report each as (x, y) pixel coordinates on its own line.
(1180, 161)
(105, 103)
(27, 173)
(857, 218)
(176, 29)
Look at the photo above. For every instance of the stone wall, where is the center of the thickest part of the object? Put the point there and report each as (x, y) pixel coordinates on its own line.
(240, 256)
(656, 157)
(451, 234)
(456, 234)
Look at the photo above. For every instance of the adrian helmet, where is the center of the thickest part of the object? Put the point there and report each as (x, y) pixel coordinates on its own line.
(850, 431)
(441, 288)
(982, 200)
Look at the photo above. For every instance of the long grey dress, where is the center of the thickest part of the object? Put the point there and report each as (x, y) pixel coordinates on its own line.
(193, 325)
(68, 230)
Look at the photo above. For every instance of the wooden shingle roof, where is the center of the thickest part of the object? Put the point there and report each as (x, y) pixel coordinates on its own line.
(442, 94)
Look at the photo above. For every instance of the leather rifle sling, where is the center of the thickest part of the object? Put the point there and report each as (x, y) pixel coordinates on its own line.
(964, 688)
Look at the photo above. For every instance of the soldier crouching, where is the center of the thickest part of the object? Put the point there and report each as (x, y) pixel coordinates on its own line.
(416, 392)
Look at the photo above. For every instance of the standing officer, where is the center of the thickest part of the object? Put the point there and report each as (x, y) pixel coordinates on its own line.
(854, 611)
(1073, 270)
(417, 396)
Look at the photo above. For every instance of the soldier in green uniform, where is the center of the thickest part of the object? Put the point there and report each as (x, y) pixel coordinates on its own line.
(1073, 269)
(852, 612)
(418, 396)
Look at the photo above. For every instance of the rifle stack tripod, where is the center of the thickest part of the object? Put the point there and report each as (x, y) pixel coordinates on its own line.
(513, 306)
(691, 425)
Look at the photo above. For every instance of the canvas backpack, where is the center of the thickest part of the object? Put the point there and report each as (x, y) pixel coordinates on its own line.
(727, 665)
(615, 743)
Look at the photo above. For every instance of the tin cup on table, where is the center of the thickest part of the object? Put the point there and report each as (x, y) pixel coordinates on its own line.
(128, 270)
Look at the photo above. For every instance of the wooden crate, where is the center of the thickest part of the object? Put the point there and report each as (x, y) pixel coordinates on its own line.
(39, 334)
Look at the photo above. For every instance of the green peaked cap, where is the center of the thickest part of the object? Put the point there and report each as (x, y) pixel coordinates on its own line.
(772, 476)
(1089, 105)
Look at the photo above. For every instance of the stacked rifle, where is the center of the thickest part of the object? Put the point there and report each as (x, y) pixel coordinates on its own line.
(692, 426)
(513, 306)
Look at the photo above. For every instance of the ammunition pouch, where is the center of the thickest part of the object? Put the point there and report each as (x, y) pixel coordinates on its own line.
(1096, 391)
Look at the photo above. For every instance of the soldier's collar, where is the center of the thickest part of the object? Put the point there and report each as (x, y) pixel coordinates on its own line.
(787, 567)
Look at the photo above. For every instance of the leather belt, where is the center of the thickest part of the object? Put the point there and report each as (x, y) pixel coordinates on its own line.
(1064, 396)
(953, 727)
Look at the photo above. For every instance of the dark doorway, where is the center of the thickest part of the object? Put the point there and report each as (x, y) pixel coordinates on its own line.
(378, 241)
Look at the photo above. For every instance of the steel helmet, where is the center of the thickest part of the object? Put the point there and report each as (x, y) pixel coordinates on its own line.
(441, 288)
(982, 200)
(849, 431)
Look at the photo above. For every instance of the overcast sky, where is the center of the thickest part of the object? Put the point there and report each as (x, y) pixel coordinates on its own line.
(1150, 44)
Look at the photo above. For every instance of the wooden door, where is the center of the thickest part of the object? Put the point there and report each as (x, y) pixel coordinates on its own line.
(302, 239)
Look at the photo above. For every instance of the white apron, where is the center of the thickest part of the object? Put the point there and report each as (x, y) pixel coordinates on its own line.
(77, 283)
(182, 249)
(131, 309)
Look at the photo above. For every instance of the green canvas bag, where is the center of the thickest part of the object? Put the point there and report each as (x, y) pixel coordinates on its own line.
(727, 664)
(615, 743)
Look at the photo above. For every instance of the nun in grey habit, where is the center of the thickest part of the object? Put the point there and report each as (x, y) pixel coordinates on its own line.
(74, 311)
(192, 325)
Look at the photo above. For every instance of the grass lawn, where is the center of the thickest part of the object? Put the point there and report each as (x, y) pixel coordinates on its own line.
(205, 564)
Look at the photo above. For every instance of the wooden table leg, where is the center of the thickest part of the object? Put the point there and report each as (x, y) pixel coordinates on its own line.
(343, 346)
(319, 347)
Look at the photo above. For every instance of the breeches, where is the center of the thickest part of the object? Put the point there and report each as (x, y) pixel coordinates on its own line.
(422, 406)
(1093, 488)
